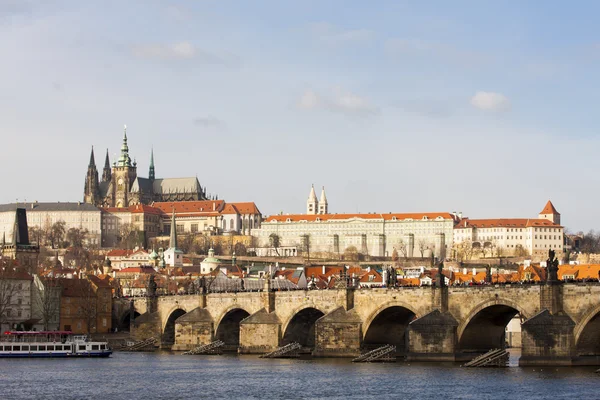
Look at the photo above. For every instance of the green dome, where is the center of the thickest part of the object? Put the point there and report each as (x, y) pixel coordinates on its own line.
(153, 255)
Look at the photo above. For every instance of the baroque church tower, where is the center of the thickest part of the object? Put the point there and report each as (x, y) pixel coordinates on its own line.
(91, 193)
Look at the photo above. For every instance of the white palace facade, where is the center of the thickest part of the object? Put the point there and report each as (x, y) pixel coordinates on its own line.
(374, 234)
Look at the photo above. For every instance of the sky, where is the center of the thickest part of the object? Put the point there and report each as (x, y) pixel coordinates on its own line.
(481, 107)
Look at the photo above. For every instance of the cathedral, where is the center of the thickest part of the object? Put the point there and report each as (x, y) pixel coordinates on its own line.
(122, 187)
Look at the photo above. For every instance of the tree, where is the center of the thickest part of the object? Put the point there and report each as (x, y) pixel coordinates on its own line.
(8, 289)
(87, 304)
(422, 243)
(275, 241)
(57, 233)
(351, 253)
(463, 250)
(486, 249)
(130, 236)
(35, 235)
(46, 301)
(402, 249)
(306, 242)
(240, 249)
(395, 256)
(76, 237)
(521, 251)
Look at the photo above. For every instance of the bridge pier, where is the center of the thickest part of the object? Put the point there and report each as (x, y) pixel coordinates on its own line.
(432, 337)
(260, 333)
(547, 340)
(338, 334)
(193, 329)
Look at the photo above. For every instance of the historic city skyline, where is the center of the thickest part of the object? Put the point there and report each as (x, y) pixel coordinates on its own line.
(489, 112)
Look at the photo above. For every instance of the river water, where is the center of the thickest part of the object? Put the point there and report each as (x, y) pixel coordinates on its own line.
(167, 375)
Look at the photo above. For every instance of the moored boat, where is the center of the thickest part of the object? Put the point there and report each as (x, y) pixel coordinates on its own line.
(23, 344)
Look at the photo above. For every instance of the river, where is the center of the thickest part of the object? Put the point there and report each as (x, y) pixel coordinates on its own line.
(165, 375)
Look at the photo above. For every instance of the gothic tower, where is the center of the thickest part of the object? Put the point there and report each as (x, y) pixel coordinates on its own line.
(312, 204)
(90, 192)
(151, 175)
(323, 207)
(106, 172)
(123, 175)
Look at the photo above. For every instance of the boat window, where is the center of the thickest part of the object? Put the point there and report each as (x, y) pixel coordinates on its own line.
(94, 347)
(82, 347)
(33, 348)
(24, 348)
(42, 348)
(51, 348)
(16, 348)
(102, 347)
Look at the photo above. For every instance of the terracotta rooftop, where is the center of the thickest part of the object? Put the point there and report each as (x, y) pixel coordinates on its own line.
(505, 223)
(549, 209)
(377, 216)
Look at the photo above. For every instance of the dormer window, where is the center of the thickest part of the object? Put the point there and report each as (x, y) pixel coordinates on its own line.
(394, 218)
(425, 218)
(288, 220)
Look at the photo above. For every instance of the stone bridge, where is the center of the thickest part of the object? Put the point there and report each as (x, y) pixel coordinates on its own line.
(561, 323)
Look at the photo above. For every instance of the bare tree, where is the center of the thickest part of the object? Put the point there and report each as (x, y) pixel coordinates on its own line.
(57, 233)
(87, 308)
(422, 245)
(402, 249)
(275, 242)
(8, 289)
(76, 237)
(129, 236)
(351, 253)
(46, 300)
(520, 251)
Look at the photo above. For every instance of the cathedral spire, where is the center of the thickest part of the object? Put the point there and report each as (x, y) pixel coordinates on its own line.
(151, 170)
(92, 160)
(106, 174)
(312, 204)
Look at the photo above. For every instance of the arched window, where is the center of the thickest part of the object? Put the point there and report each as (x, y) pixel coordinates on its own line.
(231, 224)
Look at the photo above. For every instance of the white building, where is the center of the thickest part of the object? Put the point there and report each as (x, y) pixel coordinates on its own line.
(375, 234)
(44, 215)
(535, 235)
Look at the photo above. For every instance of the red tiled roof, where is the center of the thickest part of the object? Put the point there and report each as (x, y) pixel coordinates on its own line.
(246, 208)
(132, 270)
(505, 223)
(386, 217)
(119, 253)
(180, 207)
(549, 209)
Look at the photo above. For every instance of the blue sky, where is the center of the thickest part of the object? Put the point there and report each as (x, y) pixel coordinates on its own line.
(483, 107)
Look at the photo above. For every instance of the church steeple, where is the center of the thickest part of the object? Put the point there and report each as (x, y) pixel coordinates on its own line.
(92, 160)
(323, 206)
(312, 204)
(151, 170)
(106, 174)
(90, 192)
(124, 159)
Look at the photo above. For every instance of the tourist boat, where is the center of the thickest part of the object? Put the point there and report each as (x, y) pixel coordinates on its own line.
(50, 344)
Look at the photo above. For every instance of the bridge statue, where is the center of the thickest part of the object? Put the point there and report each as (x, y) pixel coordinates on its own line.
(440, 278)
(551, 268)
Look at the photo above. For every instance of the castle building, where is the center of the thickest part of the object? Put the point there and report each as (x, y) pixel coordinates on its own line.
(122, 187)
(514, 236)
(374, 234)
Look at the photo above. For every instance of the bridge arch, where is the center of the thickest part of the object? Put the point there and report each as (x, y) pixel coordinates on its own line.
(124, 321)
(388, 325)
(484, 327)
(300, 326)
(168, 331)
(587, 333)
(228, 326)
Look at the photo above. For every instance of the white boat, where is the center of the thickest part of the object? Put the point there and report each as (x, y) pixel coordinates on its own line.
(22, 344)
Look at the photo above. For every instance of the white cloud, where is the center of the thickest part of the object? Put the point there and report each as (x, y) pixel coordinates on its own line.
(340, 100)
(183, 51)
(490, 101)
(309, 100)
(333, 35)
